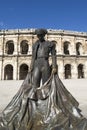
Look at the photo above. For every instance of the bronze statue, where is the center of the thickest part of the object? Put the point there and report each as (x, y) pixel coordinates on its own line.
(40, 68)
(40, 56)
(46, 106)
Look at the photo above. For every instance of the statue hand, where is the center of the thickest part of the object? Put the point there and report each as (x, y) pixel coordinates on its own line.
(31, 68)
(54, 71)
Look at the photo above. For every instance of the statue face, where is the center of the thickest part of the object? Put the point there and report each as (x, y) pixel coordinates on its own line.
(41, 37)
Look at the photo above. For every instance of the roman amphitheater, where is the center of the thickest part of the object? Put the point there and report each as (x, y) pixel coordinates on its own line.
(15, 59)
(16, 52)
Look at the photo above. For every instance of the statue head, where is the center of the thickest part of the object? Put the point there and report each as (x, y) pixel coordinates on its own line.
(41, 33)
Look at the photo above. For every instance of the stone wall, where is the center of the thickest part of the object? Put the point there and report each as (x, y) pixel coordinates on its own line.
(16, 51)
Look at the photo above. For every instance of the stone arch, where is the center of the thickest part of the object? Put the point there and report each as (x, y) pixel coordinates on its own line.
(80, 71)
(8, 72)
(67, 71)
(23, 71)
(55, 42)
(78, 48)
(66, 47)
(9, 47)
(24, 47)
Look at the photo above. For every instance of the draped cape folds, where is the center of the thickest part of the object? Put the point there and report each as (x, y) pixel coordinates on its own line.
(49, 107)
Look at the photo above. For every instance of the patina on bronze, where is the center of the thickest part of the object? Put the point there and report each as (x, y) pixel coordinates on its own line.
(46, 106)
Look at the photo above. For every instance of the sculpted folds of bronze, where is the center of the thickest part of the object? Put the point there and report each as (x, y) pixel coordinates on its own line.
(42, 102)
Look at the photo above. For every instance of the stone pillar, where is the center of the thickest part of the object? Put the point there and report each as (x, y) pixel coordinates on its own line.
(0, 68)
(17, 63)
(3, 70)
(70, 48)
(74, 46)
(18, 69)
(81, 49)
(85, 70)
(30, 46)
(85, 47)
(59, 46)
(15, 77)
(1, 45)
(18, 45)
(15, 48)
(1, 54)
(74, 71)
(60, 68)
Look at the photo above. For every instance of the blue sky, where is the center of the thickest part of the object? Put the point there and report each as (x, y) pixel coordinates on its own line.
(50, 14)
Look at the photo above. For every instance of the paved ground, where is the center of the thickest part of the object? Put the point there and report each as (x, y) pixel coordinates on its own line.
(78, 89)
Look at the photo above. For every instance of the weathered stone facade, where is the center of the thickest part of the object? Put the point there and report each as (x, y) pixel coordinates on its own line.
(16, 51)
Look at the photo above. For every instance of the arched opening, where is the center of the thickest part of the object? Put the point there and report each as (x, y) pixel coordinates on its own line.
(80, 71)
(10, 47)
(66, 48)
(24, 47)
(55, 45)
(23, 71)
(54, 41)
(8, 72)
(67, 71)
(78, 48)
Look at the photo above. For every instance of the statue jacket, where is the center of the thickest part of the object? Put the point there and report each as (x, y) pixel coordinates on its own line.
(48, 48)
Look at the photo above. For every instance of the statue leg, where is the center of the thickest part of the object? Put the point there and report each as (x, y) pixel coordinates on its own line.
(46, 72)
(36, 77)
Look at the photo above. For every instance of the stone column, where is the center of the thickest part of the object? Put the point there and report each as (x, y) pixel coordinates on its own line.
(85, 70)
(74, 71)
(60, 68)
(0, 68)
(18, 68)
(74, 46)
(3, 70)
(1, 54)
(59, 46)
(15, 48)
(30, 46)
(85, 47)
(15, 77)
(1, 45)
(18, 50)
(71, 46)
